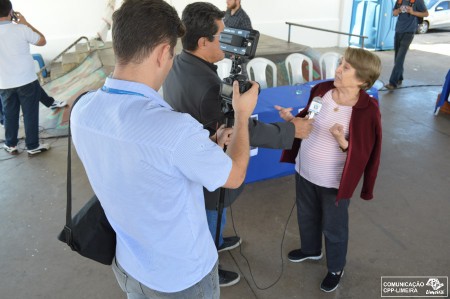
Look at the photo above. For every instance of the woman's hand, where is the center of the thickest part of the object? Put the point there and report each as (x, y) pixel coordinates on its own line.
(285, 113)
(337, 130)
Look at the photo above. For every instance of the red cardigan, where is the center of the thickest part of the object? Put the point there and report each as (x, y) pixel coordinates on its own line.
(363, 155)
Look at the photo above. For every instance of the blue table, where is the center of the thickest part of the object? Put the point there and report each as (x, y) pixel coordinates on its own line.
(264, 163)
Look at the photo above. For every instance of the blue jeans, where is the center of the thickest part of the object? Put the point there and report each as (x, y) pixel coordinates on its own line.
(2, 115)
(207, 288)
(401, 45)
(211, 216)
(27, 97)
(317, 214)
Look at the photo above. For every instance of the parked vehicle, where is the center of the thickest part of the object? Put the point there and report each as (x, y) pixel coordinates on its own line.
(439, 15)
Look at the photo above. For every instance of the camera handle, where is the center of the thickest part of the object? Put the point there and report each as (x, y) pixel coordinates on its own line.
(229, 122)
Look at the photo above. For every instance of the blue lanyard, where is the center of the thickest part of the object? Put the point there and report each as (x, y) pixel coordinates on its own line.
(120, 91)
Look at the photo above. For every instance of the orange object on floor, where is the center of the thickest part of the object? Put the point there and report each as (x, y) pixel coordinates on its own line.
(445, 108)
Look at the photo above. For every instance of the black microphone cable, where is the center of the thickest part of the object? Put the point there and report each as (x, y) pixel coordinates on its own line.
(248, 263)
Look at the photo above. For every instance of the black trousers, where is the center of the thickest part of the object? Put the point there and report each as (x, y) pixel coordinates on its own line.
(317, 213)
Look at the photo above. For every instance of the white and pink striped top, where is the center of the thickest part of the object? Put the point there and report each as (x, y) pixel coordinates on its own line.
(320, 160)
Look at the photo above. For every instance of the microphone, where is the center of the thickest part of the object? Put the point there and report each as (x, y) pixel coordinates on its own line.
(314, 107)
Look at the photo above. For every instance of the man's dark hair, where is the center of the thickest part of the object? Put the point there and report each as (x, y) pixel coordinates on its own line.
(5, 8)
(199, 18)
(139, 26)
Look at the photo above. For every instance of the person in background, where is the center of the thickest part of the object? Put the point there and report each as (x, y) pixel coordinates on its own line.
(2, 116)
(19, 86)
(50, 102)
(236, 17)
(344, 145)
(150, 162)
(193, 87)
(408, 13)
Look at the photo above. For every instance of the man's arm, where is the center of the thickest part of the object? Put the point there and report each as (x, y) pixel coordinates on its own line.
(396, 12)
(419, 14)
(21, 20)
(239, 148)
(278, 135)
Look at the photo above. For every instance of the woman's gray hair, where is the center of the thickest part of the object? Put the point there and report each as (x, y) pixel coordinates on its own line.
(366, 64)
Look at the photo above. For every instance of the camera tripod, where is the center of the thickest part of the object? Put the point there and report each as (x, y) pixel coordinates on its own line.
(229, 122)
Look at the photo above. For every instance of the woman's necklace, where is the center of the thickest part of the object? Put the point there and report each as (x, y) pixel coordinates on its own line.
(337, 107)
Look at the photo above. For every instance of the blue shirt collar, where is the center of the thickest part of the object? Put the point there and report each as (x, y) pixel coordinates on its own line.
(139, 88)
(5, 22)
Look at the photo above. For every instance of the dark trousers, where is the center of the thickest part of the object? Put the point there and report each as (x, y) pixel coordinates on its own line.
(2, 117)
(46, 99)
(318, 213)
(27, 97)
(401, 46)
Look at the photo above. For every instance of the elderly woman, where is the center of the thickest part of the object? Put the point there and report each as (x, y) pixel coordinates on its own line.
(344, 144)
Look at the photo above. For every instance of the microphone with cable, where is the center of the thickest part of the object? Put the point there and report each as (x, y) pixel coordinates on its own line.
(314, 107)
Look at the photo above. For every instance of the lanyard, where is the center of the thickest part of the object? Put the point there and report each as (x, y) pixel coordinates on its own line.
(120, 91)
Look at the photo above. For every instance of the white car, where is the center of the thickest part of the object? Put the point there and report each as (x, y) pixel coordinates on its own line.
(439, 15)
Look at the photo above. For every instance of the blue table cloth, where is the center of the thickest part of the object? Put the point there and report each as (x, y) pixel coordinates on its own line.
(444, 94)
(264, 163)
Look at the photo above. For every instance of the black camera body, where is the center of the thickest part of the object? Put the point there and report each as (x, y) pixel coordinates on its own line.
(241, 46)
(226, 90)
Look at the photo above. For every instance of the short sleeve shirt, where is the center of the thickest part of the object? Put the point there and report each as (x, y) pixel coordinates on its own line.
(406, 22)
(16, 63)
(148, 165)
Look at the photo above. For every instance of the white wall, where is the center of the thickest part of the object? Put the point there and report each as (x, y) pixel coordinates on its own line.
(269, 17)
(63, 21)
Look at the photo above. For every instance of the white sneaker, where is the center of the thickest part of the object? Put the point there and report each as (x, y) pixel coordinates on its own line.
(41, 148)
(11, 149)
(58, 104)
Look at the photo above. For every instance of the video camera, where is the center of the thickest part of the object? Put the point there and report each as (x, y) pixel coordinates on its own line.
(241, 45)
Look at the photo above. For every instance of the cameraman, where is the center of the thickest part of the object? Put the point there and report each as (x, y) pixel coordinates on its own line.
(150, 163)
(193, 87)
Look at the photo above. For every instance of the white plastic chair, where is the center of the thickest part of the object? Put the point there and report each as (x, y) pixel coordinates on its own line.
(224, 67)
(294, 67)
(329, 61)
(258, 66)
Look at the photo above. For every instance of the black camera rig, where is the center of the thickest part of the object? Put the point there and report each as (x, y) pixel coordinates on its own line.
(241, 45)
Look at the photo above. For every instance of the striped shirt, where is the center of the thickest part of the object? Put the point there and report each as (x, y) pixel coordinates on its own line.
(320, 159)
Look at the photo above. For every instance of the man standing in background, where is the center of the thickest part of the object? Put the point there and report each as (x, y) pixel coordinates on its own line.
(193, 86)
(236, 17)
(19, 86)
(408, 13)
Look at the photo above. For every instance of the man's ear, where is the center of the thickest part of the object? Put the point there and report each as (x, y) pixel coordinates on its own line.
(201, 42)
(164, 53)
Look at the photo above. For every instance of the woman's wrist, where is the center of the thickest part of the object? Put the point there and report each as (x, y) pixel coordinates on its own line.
(343, 145)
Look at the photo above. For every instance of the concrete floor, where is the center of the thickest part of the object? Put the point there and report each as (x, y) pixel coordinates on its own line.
(404, 231)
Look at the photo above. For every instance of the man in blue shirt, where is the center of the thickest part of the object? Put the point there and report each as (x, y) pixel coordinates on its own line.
(148, 164)
(408, 13)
